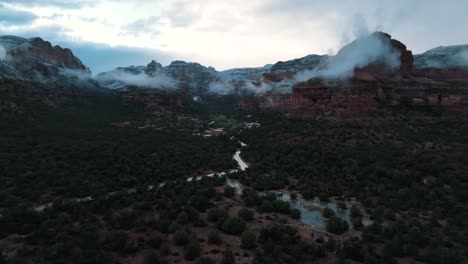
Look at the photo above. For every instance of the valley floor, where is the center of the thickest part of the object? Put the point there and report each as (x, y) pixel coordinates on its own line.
(294, 191)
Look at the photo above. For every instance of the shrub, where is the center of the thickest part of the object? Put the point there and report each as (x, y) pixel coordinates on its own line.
(341, 205)
(355, 212)
(233, 226)
(204, 260)
(228, 257)
(214, 214)
(248, 240)
(182, 218)
(245, 214)
(229, 191)
(116, 241)
(336, 225)
(214, 238)
(295, 213)
(327, 212)
(180, 237)
(192, 250)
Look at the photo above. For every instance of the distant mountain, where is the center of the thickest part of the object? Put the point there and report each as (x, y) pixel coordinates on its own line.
(176, 75)
(443, 57)
(190, 76)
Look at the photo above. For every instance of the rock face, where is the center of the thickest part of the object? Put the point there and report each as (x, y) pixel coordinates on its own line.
(390, 78)
(244, 74)
(309, 62)
(443, 58)
(153, 100)
(196, 76)
(37, 60)
(34, 70)
(192, 76)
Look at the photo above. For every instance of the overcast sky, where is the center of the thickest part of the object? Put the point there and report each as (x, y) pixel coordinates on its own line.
(227, 34)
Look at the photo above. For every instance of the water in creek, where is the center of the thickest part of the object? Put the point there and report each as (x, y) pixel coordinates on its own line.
(311, 210)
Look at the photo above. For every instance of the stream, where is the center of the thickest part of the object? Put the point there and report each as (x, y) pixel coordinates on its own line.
(311, 210)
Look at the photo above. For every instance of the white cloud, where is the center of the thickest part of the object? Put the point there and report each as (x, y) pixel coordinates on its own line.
(227, 34)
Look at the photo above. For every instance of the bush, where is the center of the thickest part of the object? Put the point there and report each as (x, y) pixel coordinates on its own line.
(281, 206)
(152, 259)
(233, 226)
(355, 212)
(341, 205)
(204, 260)
(180, 237)
(295, 213)
(116, 242)
(245, 214)
(228, 257)
(336, 225)
(214, 238)
(248, 240)
(293, 196)
(266, 206)
(214, 214)
(192, 250)
(229, 191)
(327, 212)
(182, 218)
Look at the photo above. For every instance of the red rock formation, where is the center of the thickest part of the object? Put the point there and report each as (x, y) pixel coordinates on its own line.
(153, 100)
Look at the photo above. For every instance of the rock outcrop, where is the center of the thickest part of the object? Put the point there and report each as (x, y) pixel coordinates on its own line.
(443, 58)
(37, 60)
(391, 77)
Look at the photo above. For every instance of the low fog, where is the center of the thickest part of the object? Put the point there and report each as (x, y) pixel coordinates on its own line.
(162, 82)
(2, 53)
(460, 59)
(358, 54)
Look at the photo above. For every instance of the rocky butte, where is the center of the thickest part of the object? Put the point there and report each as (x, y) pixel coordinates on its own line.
(368, 73)
(34, 69)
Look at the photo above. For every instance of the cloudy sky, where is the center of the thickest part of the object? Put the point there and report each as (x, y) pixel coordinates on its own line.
(224, 33)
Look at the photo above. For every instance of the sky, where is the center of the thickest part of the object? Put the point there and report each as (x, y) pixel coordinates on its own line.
(224, 34)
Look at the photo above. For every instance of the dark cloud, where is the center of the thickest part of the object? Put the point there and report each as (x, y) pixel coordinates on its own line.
(9, 16)
(68, 4)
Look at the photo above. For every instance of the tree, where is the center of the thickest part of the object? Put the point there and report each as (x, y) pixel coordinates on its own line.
(355, 212)
(341, 205)
(228, 257)
(281, 206)
(245, 214)
(182, 218)
(233, 226)
(248, 240)
(180, 237)
(293, 196)
(204, 260)
(192, 250)
(214, 214)
(327, 212)
(152, 259)
(336, 225)
(295, 213)
(229, 191)
(214, 238)
(116, 241)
